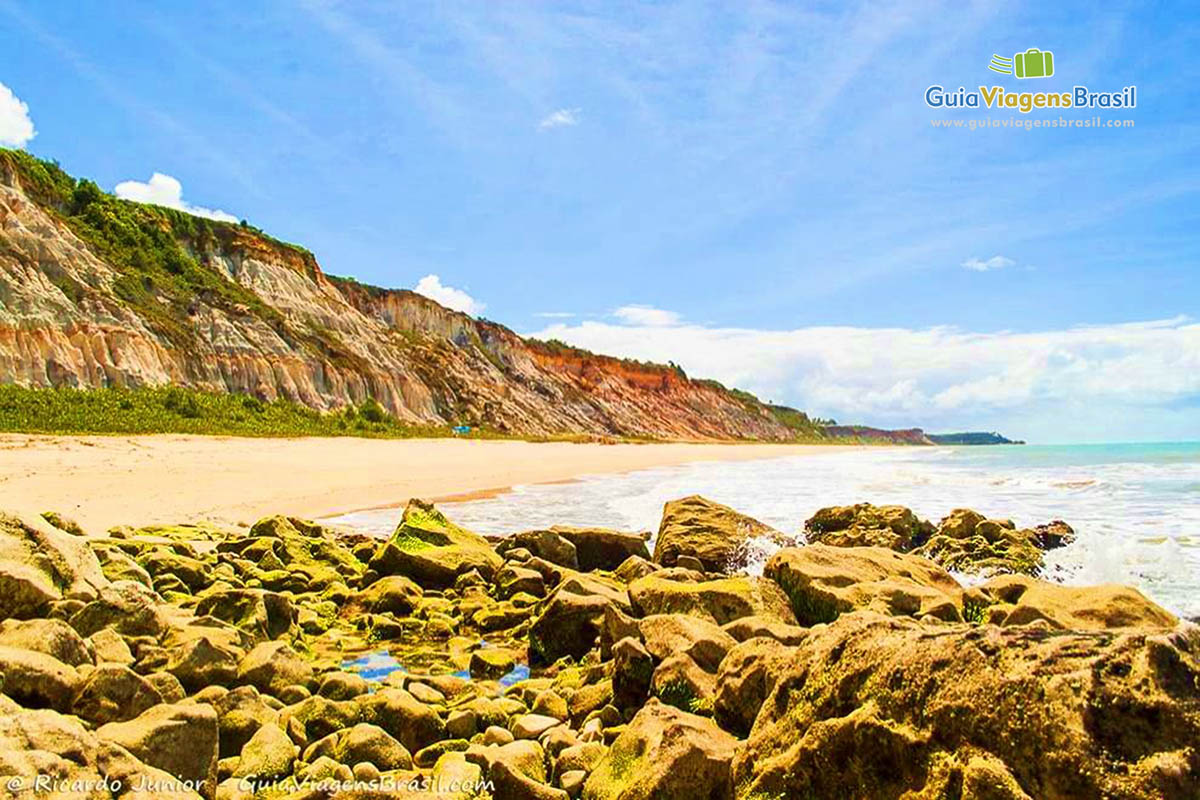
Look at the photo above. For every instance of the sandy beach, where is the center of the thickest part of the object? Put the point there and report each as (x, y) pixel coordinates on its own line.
(103, 481)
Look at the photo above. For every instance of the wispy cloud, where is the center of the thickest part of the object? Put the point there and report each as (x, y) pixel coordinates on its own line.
(647, 316)
(432, 287)
(980, 265)
(16, 128)
(562, 118)
(554, 314)
(163, 190)
(939, 377)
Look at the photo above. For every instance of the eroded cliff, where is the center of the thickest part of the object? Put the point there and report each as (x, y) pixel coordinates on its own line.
(96, 291)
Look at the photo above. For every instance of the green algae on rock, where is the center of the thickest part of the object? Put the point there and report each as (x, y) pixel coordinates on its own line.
(721, 538)
(278, 654)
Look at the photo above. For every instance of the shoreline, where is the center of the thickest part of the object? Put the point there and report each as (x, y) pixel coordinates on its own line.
(169, 479)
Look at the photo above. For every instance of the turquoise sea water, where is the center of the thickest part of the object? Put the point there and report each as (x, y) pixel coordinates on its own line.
(1136, 507)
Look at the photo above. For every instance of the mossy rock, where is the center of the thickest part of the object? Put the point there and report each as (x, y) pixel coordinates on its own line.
(433, 551)
(491, 663)
(63, 523)
(719, 601)
(423, 522)
(865, 525)
(269, 754)
(823, 582)
(667, 753)
(861, 691)
(722, 539)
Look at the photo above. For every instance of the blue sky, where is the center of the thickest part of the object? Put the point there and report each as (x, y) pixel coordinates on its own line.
(753, 190)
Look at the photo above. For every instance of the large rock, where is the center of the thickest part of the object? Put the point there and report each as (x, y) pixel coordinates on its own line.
(633, 668)
(492, 663)
(511, 580)
(241, 712)
(119, 566)
(594, 585)
(110, 646)
(319, 716)
(865, 525)
(415, 724)
(874, 707)
(602, 548)
(681, 682)
(362, 742)
(262, 614)
(666, 754)
(113, 693)
(1021, 600)
(746, 679)
(40, 564)
(966, 542)
(268, 754)
(823, 582)
(272, 667)
(393, 594)
(666, 635)
(163, 563)
(36, 680)
(50, 636)
(719, 601)
(180, 739)
(572, 618)
(433, 551)
(545, 544)
(313, 551)
(202, 662)
(50, 744)
(569, 625)
(129, 608)
(517, 771)
(721, 538)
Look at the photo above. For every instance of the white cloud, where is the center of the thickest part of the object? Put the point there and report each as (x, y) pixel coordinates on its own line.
(648, 316)
(1056, 384)
(16, 128)
(163, 190)
(456, 299)
(554, 314)
(979, 265)
(562, 118)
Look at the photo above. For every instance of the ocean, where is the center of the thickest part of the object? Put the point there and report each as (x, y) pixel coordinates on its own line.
(1135, 507)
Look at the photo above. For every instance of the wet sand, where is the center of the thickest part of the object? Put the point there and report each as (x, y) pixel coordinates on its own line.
(102, 481)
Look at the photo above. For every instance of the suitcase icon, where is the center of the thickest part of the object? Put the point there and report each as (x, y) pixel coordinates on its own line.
(1034, 63)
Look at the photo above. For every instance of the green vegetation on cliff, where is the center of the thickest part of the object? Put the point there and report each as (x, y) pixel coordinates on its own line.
(972, 438)
(157, 276)
(161, 256)
(174, 409)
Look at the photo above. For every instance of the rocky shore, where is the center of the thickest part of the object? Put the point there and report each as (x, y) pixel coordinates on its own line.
(299, 661)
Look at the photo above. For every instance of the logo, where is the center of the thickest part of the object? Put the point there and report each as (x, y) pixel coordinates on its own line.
(1033, 63)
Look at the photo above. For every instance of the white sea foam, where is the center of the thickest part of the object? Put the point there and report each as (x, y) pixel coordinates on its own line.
(1136, 508)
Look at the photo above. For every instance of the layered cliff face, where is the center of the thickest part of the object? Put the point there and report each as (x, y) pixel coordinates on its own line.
(96, 291)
